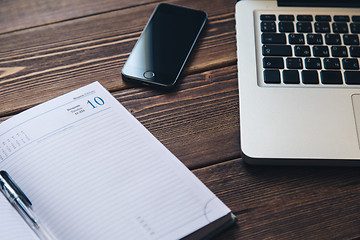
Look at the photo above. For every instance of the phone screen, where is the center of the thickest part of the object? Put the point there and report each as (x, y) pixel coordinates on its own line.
(162, 49)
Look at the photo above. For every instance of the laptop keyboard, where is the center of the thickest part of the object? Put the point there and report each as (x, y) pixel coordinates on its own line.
(310, 49)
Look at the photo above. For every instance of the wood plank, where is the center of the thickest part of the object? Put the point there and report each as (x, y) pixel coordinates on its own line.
(192, 155)
(287, 202)
(199, 122)
(41, 12)
(44, 62)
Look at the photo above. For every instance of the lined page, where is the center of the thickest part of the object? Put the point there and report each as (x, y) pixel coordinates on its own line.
(92, 171)
(12, 226)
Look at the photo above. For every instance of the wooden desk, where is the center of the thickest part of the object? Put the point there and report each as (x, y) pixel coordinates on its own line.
(51, 47)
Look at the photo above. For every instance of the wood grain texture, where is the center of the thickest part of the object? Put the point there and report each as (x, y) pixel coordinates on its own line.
(199, 122)
(287, 202)
(40, 63)
(20, 14)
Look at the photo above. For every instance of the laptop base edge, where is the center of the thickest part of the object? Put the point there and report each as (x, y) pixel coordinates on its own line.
(299, 162)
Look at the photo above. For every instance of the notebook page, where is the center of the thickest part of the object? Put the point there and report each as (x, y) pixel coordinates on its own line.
(92, 171)
(12, 226)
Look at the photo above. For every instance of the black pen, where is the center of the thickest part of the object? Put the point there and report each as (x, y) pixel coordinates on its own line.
(22, 205)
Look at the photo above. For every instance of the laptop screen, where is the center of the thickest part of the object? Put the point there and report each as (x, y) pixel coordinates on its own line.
(320, 3)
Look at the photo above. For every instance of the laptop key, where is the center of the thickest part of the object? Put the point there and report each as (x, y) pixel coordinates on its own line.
(356, 18)
(302, 51)
(307, 18)
(286, 27)
(269, 17)
(296, 38)
(268, 27)
(276, 50)
(310, 77)
(272, 76)
(304, 27)
(339, 51)
(291, 77)
(350, 64)
(294, 63)
(322, 27)
(286, 17)
(312, 63)
(323, 18)
(340, 27)
(314, 39)
(331, 77)
(355, 27)
(273, 38)
(341, 18)
(331, 63)
(351, 39)
(354, 51)
(273, 62)
(333, 39)
(321, 51)
(352, 77)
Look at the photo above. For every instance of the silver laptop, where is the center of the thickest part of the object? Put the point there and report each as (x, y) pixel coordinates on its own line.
(299, 81)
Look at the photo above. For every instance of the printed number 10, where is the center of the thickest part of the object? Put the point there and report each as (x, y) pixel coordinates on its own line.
(97, 100)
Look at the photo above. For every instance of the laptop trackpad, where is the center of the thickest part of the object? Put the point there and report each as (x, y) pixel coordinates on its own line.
(356, 105)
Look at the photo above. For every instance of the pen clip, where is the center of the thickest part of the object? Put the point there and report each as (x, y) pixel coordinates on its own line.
(10, 182)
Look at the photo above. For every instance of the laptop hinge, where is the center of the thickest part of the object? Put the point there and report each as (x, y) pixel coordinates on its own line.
(319, 3)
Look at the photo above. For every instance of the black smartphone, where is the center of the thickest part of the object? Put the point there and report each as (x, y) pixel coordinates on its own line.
(164, 45)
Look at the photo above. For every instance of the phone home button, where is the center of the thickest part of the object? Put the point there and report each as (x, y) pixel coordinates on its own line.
(149, 74)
